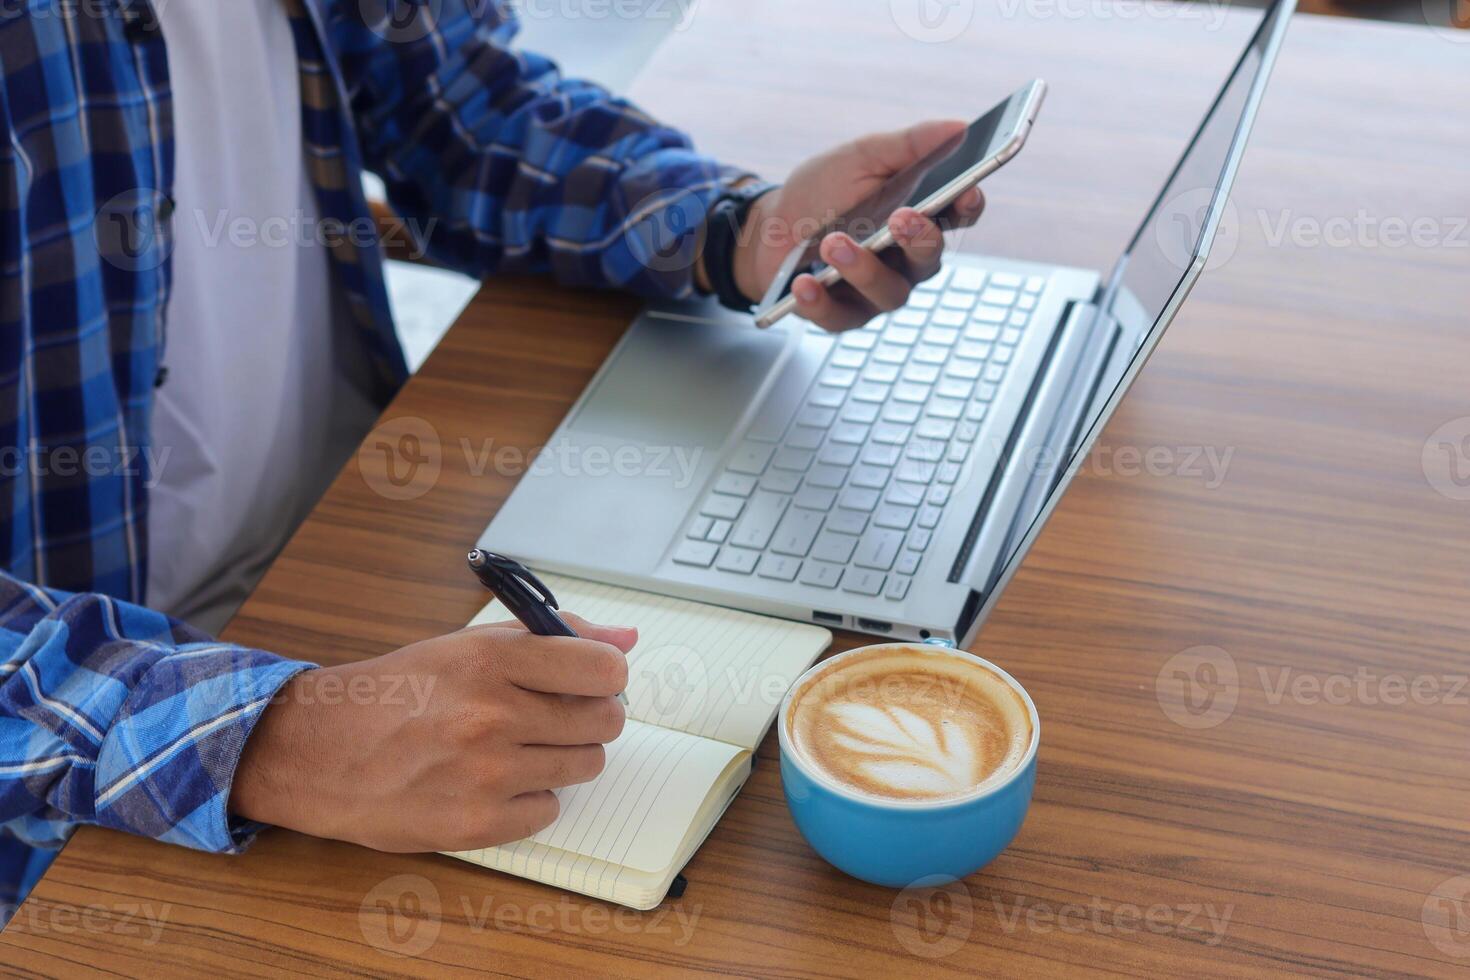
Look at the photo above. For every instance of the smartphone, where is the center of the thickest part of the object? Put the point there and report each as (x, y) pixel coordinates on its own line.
(929, 186)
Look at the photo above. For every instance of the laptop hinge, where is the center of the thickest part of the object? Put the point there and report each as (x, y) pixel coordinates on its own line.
(1013, 438)
(1074, 411)
(1048, 422)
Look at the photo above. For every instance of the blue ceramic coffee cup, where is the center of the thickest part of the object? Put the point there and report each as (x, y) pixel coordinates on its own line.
(897, 842)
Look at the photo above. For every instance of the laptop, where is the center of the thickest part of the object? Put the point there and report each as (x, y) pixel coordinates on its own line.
(890, 479)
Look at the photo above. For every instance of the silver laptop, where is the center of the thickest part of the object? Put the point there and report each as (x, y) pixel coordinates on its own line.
(889, 479)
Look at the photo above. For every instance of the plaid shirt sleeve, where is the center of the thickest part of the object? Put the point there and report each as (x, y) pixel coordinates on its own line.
(115, 715)
(514, 168)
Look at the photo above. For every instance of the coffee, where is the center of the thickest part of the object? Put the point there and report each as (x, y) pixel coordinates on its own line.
(909, 724)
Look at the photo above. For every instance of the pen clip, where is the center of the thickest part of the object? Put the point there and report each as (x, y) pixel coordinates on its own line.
(513, 568)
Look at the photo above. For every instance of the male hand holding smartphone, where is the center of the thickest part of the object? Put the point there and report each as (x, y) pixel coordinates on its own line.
(844, 271)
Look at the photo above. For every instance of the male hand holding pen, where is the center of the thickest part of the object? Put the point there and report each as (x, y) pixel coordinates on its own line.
(510, 716)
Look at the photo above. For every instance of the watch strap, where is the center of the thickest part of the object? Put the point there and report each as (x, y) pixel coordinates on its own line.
(725, 222)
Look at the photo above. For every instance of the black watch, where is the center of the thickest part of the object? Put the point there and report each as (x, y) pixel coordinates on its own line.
(722, 236)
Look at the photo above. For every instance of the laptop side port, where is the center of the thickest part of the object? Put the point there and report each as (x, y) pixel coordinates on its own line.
(831, 619)
(874, 626)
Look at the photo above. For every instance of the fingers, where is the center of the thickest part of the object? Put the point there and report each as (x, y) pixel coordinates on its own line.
(519, 817)
(555, 664)
(966, 211)
(921, 239)
(870, 286)
(480, 822)
(883, 287)
(888, 153)
(508, 624)
(551, 719)
(879, 283)
(815, 302)
(541, 767)
(622, 637)
(920, 242)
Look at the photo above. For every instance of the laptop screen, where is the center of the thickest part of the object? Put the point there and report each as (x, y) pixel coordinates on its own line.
(1151, 280)
(1173, 234)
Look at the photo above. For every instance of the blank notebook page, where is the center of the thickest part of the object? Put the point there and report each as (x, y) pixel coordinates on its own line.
(701, 669)
(636, 814)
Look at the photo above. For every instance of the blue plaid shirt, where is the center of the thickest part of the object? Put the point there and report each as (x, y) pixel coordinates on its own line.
(110, 713)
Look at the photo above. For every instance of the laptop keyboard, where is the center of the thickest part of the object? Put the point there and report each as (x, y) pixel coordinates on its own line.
(849, 497)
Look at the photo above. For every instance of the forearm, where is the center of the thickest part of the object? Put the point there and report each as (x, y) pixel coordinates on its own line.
(116, 715)
(508, 167)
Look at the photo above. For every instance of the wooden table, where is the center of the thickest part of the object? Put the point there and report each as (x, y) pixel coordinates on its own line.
(1318, 826)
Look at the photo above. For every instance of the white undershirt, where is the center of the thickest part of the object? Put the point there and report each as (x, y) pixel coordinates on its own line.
(260, 408)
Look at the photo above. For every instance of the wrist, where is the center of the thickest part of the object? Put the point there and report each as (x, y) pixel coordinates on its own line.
(267, 787)
(745, 263)
(728, 264)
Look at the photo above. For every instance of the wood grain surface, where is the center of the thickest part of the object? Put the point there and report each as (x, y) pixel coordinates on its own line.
(1288, 486)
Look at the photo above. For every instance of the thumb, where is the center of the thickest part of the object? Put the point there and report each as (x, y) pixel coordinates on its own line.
(892, 152)
(622, 637)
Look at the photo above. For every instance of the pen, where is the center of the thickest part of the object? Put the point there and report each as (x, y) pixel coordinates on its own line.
(520, 591)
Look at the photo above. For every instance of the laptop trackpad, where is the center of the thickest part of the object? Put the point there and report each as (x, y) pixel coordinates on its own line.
(677, 383)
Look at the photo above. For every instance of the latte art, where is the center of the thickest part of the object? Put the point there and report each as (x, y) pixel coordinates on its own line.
(910, 724)
(903, 752)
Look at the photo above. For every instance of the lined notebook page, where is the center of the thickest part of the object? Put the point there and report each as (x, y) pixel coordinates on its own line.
(634, 815)
(702, 669)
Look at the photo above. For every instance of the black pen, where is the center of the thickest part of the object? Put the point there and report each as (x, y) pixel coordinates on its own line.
(520, 591)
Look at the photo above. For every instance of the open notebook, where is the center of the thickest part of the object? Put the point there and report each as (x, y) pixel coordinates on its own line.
(704, 685)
